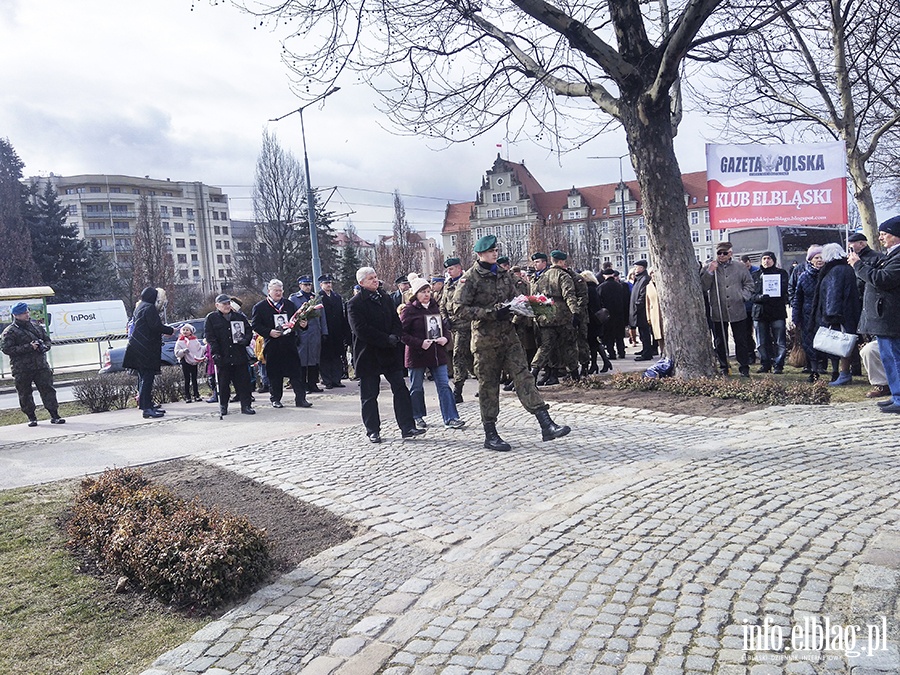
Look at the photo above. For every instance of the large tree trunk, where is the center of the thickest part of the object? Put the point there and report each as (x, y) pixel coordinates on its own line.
(650, 141)
(862, 195)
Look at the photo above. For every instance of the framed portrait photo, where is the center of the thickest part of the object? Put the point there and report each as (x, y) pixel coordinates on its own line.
(433, 328)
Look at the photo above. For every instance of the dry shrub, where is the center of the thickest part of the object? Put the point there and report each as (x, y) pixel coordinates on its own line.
(102, 393)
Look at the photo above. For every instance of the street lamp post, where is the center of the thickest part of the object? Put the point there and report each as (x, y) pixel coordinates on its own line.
(310, 197)
(622, 196)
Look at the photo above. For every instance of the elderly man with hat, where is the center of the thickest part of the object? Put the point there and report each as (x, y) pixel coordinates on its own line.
(484, 299)
(26, 344)
(309, 338)
(729, 286)
(615, 297)
(460, 328)
(228, 334)
(637, 310)
(337, 334)
(402, 283)
(881, 305)
(557, 345)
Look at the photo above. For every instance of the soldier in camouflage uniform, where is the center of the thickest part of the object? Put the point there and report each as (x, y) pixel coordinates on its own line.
(557, 342)
(460, 328)
(482, 299)
(583, 320)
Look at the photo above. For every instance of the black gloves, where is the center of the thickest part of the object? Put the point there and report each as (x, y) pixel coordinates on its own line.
(502, 313)
(217, 359)
(393, 340)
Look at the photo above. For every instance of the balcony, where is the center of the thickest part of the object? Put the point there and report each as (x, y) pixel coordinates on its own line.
(109, 214)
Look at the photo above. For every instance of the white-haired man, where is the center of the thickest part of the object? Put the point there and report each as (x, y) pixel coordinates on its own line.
(268, 319)
(377, 351)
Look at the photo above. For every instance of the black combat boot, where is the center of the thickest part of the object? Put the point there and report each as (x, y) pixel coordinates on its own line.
(549, 429)
(247, 410)
(492, 440)
(457, 391)
(552, 377)
(574, 375)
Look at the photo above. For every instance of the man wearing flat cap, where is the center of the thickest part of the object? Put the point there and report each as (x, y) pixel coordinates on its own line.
(881, 305)
(228, 335)
(557, 345)
(460, 328)
(402, 283)
(309, 338)
(26, 344)
(729, 286)
(484, 299)
(337, 335)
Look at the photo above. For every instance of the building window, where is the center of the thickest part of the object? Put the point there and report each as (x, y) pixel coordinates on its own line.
(70, 191)
(182, 258)
(573, 215)
(179, 227)
(120, 208)
(197, 274)
(164, 211)
(115, 190)
(706, 215)
(500, 197)
(219, 258)
(227, 259)
(135, 191)
(215, 215)
(165, 228)
(95, 189)
(224, 229)
(695, 236)
(176, 212)
(167, 194)
(190, 213)
(217, 230)
(221, 274)
(510, 210)
(642, 241)
(218, 245)
(179, 243)
(695, 217)
(183, 274)
(193, 243)
(121, 225)
(708, 235)
(604, 244)
(73, 209)
(194, 259)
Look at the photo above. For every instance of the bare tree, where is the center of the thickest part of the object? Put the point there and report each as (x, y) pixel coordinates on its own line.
(405, 247)
(279, 210)
(151, 259)
(464, 246)
(532, 61)
(826, 68)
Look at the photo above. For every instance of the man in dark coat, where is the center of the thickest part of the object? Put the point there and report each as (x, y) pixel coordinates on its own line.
(269, 318)
(769, 313)
(377, 351)
(143, 351)
(637, 311)
(615, 297)
(228, 335)
(881, 305)
(27, 343)
(859, 242)
(402, 286)
(309, 340)
(334, 342)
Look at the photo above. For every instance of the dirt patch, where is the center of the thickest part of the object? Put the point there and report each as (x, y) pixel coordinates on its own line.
(705, 406)
(297, 529)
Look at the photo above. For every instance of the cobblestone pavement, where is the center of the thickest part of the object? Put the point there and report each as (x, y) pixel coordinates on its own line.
(641, 543)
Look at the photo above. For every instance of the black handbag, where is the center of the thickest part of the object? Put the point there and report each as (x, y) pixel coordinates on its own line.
(602, 315)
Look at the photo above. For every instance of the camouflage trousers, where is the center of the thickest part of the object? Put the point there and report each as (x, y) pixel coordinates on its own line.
(463, 361)
(584, 349)
(43, 381)
(508, 358)
(558, 348)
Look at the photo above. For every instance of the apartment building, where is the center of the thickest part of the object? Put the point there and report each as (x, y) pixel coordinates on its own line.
(600, 223)
(194, 218)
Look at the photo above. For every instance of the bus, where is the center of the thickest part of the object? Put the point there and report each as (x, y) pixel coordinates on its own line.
(789, 244)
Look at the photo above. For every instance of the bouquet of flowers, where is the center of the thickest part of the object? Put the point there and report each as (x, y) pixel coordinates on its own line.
(308, 311)
(531, 305)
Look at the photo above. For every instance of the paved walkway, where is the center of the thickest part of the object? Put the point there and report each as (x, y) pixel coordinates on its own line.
(641, 543)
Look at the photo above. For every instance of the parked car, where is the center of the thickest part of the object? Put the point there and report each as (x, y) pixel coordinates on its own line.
(112, 358)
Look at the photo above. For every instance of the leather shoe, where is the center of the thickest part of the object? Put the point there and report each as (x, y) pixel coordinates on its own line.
(247, 410)
(57, 420)
(302, 403)
(277, 404)
(893, 408)
(150, 413)
(641, 357)
(878, 391)
(412, 433)
(32, 423)
(374, 437)
(885, 404)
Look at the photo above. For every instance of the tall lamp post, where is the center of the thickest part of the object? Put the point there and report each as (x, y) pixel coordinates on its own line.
(622, 196)
(310, 197)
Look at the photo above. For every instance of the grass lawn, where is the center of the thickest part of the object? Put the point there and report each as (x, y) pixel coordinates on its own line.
(54, 619)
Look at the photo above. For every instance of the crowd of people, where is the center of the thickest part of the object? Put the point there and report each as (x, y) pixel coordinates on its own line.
(462, 323)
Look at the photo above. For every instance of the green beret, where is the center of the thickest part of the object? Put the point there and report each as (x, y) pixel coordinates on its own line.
(538, 256)
(486, 243)
(450, 262)
(558, 255)
(502, 260)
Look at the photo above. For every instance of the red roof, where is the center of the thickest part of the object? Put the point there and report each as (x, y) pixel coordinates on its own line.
(457, 217)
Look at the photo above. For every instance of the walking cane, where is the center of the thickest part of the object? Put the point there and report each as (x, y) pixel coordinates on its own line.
(216, 374)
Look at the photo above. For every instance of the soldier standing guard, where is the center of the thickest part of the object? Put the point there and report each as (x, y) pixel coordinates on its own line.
(481, 299)
(557, 329)
(460, 328)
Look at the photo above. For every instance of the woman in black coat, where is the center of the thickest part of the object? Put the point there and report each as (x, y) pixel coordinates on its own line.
(615, 297)
(595, 325)
(836, 303)
(143, 351)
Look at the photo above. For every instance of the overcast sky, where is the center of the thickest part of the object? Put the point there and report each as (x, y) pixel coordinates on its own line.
(156, 88)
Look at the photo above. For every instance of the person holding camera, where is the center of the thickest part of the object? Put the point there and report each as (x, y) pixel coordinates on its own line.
(27, 343)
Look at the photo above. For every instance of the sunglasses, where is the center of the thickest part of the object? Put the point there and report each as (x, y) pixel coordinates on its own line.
(724, 253)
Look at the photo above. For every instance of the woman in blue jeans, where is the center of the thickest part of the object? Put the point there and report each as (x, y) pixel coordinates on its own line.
(425, 336)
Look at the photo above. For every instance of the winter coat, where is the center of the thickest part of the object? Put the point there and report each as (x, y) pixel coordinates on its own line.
(309, 339)
(16, 341)
(802, 307)
(335, 339)
(881, 303)
(373, 321)
(836, 302)
(145, 343)
(638, 297)
(225, 350)
(615, 297)
(415, 321)
(282, 349)
(729, 287)
(593, 303)
(190, 350)
(654, 311)
(768, 308)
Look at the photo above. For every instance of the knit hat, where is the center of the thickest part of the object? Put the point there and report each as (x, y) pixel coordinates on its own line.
(813, 251)
(418, 284)
(769, 254)
(891, 226)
